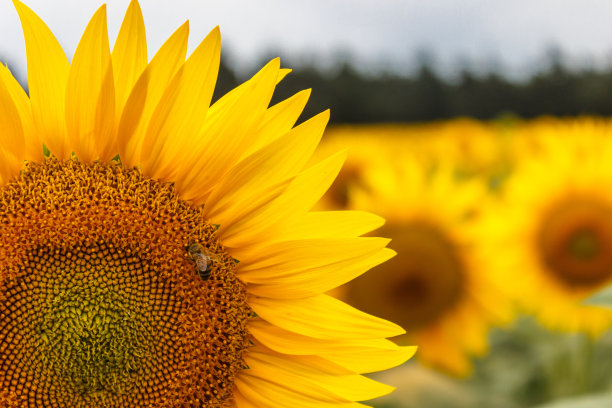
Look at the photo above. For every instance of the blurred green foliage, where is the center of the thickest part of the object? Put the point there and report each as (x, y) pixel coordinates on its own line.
(528, 366)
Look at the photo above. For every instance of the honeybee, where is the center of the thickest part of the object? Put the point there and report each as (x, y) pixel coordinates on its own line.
(203, 262)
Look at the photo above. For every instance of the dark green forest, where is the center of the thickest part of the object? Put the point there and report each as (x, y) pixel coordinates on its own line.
(391, 97)
(355, 97)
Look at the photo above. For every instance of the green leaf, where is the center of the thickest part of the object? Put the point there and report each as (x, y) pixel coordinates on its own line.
(601, 298)
(589, 401)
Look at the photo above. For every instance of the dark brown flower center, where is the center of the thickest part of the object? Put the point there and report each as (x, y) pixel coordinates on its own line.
(575, 241)
(419, 285)
(101, 303)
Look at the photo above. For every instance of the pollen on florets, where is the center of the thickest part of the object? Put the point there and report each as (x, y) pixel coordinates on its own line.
(101, 305)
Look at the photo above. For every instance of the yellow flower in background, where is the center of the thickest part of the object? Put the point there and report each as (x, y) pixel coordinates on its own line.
(534, 138)
(364, 150)
(473, 149)
(435, 286)
(164, 253)
(552, 234)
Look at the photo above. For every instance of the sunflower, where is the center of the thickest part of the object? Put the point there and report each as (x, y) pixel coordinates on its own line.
(540, 135)
(367, 147)
(475, 149)
(161, 252)
(435, 287)
(555, 224)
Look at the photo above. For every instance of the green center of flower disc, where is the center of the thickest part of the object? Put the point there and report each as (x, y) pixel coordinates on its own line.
(101, 303)
(419, 285)
(575, 241)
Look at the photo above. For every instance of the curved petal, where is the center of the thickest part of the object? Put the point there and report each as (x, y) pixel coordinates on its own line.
(249, 182)
(225, 136)
(151, 85)
(129, 55)
(359, 356)
(11, 136)
(299, 283)
(300, 196)
(323, 317)
(290, 257)
(264, 393)
(47, 78)
(33, 145)
(329, 224)
(90, 97)
(12, 142)
(178, 118)
(279, 119)
(318, 372)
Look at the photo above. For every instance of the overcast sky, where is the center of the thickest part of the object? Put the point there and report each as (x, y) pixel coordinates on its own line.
(514, 33)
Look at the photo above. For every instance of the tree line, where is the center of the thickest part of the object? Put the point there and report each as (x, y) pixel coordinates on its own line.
(354, 97)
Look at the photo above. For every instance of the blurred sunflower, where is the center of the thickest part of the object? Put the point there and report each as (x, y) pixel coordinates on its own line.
(161, 252)
(555, 224)
(435, 286)
(472, 146)
(365, 150)
(475, 148)
(536, 137)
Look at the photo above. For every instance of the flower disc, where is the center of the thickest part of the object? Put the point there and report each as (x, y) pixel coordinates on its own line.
(576, 241)
(418, 286)
(102, 304)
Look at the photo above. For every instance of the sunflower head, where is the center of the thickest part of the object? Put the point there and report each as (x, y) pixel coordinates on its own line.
(158, 251)
(575, 240)
(436, 283)
(555, 224)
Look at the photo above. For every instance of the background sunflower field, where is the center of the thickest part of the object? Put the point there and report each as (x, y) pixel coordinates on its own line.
(502, 234)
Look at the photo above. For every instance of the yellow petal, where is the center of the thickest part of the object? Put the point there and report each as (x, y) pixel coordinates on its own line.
(129, 55)
(246, 186)
(90, 97)
(47, 78)
(33, 145)
(329, 224)
(295, 282)
(158, 74)
(315, 370)
(132, 114)
(263, 393)
(289, 257)
(5, 167)
(243, 402)
(359, 356)
(225, 136)
(279, 119)
(11, 136)
(230, 98)
(299, 197)
(370, 361)
(323, 317)
(178, 118)
(282, 74)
